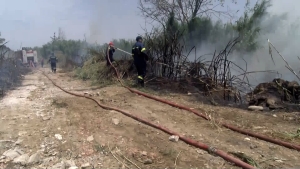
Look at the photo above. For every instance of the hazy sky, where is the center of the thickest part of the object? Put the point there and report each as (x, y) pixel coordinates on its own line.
(32, 22)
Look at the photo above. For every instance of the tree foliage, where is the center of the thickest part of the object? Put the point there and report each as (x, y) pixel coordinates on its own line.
(61, 34)
(194, 17)
(199, 29)
(248, 25)
(182, 23)
(172, 26)
(70, 48)
(184, 10)
(3, 49)
(2, 40)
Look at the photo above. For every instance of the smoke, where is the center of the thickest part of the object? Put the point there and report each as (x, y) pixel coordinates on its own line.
(284, 35)
(95, 33)
(282, 27)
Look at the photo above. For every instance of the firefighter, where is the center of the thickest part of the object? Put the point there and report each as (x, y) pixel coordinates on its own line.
(110, 51)
(53, 61)
(140, 59)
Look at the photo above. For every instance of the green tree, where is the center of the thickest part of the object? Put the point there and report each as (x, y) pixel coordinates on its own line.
(172, 26)
(199, 29)
(248, 26)
(2, 40)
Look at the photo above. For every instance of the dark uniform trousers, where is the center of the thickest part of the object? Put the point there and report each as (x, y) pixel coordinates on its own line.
(140, 61)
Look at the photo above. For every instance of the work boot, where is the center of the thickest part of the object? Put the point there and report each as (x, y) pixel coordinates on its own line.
(141, 82)
(138, 82)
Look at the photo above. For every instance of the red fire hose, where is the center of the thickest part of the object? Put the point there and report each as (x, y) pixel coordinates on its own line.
(246, 132)
(189, 141)
(233, 128)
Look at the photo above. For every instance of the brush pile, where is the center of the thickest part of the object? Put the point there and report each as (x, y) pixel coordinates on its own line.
(10, 74)
(95, 69)
(11, 70)
(274, 94)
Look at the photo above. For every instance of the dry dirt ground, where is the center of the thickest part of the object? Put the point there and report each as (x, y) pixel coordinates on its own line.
(44, 127)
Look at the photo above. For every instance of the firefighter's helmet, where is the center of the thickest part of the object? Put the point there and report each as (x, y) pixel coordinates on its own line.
(138, 38)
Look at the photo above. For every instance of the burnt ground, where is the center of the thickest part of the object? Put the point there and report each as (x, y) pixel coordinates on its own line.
(36, 114)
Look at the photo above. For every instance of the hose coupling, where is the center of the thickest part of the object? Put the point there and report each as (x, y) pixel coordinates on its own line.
(212, 150)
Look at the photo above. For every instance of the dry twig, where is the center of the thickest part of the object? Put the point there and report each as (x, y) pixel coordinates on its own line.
(116, 157)
(175, 163)
(128, 159)
(287, 64)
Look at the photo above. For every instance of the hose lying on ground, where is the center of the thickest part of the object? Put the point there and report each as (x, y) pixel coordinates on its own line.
(189, 141)
(231, 127)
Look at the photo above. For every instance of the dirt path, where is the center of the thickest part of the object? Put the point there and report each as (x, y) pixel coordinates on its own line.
(58, 130)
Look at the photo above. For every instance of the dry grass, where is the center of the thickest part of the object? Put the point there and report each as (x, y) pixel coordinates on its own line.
(169, 152)
(245, 158)
(101, 148)
(98, 72)
(59, 104)
(287, 136)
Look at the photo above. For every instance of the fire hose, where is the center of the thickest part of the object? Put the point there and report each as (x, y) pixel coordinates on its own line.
(123, 51)
(132, 54)
(209, 149)
(231, 127)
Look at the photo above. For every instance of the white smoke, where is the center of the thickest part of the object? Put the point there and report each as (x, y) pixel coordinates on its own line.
(282, 27)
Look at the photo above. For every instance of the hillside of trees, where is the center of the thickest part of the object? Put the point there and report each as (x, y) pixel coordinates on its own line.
(182, 30)
(194, 30)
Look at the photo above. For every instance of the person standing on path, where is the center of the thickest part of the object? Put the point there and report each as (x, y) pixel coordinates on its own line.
(53, 61)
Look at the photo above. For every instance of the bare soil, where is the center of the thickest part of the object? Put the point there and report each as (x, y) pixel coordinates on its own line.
(37, 110)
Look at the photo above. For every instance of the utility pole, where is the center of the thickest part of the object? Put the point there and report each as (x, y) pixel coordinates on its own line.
(85, 45)
(53, 40)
